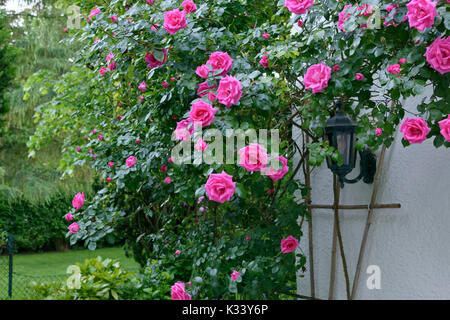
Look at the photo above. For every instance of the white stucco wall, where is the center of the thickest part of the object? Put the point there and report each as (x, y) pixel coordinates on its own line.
(411, 245)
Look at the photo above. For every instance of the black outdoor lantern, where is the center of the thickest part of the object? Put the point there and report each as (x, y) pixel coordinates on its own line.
(341, 133)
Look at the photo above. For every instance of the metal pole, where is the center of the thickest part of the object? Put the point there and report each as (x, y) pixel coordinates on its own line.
(10, 248)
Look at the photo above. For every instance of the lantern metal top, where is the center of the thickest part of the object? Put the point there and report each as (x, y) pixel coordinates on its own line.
(340, 119)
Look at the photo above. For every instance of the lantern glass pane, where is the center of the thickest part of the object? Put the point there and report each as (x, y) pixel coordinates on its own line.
(343, 145)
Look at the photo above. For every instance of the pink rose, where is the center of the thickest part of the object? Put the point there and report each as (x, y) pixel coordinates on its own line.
(151, 60)
(394, 69)
(265, 35)
(202, 71)
(65, 29)
(378, 132)
(402, 61)
(96, 40)
(170, 160)
(111, 164)
(316, 77)
(114, 19)
(444, 125)
(102, 71)
(100, 137)
(141, 98)
(164, 168)
(220, 187)
(298, 6)
(247, 239)
(389, 8)
(93, 13)
(138, 141)
(189, 6)
(119, 117)
(184, 130)
(367, 10)
(343, 15)
(131, 161)
(414, 130)
(69, 217)
(177, 252)
(74, 228)
(112, 66)
(142, 87)
(203, 88)
(274, 174)
(220, 61)
(235, 275)
(165, 84)
(253, 157)
(229, 91)
(359, 76)
(336, 67)
(109, 179)
(201, 145)
(288, 244)
(438, 55)
(212, 96)
(78, 148)
(167, 180)
(264, 61)
(202, 112)
(174, 20)
(300, 23)
(178, 292)
(150, 1)
(421, 13)
(78, 200)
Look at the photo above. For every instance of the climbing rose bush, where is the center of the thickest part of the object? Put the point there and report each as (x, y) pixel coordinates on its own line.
(234, 65)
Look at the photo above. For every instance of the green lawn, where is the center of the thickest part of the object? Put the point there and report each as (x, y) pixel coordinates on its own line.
(52, 266)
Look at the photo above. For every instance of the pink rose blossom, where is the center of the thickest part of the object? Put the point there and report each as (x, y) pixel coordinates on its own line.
(65, 29)
(119, 117)
(184, 130)
(289, 244)
(167, 180)
(74, 228)
(298, 6)
(202, 71)
(359, 76)
(177, 252)
(438, 55)
(69, 217)
(178, 292)
(102, 71)
(300, 23)
(131, 161)
(378, 132)
(444, 125)
(235, 275)
(394, 69)
(229, 91)
(220, 61)
(164, 168)
(316, 77)
(109, 179)
(112, 66)
(343, 15)
(114, 19)
(174, 21)
(389, 8)
(220, 187)
(212, 96)
(100, 137)
(253, 157)
(336, 67)
(247, 239)
(266, 36)
(203, 88)
(421, 13)
(402, 61)
(165, 84)
(201, 145)
(189, 6)
(93, 13)
(78, 148)
(141, 98)
(138, 141)
(264, 61)
(150, 1)
(274, 174)
(151, 60)
(415, 130)
(78, 200)
(170, 160)
(142, 87)
(111, 164)
(202, 112)
(270, 191)
(96, 40)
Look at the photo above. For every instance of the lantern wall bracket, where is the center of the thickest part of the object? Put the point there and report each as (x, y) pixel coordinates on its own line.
(368, 164)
